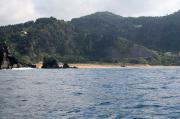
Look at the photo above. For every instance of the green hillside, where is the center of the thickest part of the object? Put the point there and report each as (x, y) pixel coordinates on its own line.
(101, 37)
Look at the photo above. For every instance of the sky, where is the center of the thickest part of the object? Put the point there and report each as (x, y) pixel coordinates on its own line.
(18, 11)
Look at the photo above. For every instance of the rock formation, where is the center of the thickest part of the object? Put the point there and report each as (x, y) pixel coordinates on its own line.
(65, 65)
(1, 55)
(50, 62)
(7, 61)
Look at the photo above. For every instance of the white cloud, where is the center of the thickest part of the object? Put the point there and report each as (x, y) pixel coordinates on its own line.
(67, 9)
(16, 11)
(143, 7)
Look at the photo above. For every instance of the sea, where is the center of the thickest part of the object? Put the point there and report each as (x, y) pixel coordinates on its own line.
(94, 93)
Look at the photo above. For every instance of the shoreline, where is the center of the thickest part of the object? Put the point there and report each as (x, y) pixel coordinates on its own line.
(107, 65)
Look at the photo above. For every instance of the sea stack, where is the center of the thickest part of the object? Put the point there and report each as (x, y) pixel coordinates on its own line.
(50, 63)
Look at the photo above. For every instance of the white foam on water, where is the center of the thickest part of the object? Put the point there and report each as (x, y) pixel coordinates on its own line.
(23, 68)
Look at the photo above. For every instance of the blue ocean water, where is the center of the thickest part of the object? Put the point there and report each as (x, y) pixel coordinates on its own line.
(112, 93)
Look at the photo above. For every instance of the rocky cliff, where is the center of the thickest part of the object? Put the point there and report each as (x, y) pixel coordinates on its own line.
(7, 61)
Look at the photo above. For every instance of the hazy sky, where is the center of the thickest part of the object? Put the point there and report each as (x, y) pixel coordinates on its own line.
(17, 11)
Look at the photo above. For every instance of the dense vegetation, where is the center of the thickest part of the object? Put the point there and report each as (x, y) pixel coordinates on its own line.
(102, 37)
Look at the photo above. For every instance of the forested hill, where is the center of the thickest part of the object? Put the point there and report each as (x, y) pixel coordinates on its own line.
(159, 33)
(102, 36)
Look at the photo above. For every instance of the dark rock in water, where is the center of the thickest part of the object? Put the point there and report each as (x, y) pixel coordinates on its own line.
(7, 61)
(1, 58)
(2, 53)
(123, 65)
(31, 65)
(65, 65)
(75, 67)
(13, 61)
(50, 62)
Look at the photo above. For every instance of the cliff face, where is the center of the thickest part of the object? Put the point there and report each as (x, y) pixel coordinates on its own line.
(1, 55)
(7, 61)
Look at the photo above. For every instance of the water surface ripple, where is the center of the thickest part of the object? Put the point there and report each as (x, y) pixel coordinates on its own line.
(113, 93)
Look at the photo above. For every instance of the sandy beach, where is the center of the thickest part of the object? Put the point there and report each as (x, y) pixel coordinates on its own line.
(107, 65)
(99, 65)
